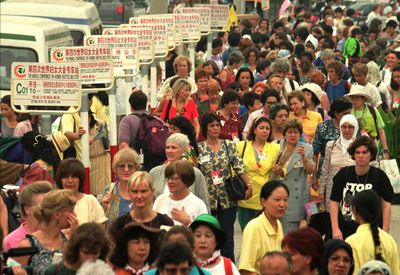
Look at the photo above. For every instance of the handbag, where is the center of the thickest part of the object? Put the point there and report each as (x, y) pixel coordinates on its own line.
(389, 166)
(234, 185)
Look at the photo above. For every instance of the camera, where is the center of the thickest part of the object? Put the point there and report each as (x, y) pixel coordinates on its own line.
(17, 252)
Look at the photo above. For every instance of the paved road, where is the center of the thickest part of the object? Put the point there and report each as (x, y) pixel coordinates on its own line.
(394, 231)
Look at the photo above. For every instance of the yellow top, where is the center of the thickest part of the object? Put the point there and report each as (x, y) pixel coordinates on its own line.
(310, 122)
(364, 250)
(259, 237)
(258, 173)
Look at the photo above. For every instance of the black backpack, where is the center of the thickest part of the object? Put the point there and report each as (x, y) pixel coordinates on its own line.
(150, 140)
(13, 209)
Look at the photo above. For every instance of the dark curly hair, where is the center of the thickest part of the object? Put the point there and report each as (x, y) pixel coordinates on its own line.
(208, 118)
(363, 141)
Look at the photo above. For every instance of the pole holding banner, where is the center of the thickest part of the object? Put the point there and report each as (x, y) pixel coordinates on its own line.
(85, 141)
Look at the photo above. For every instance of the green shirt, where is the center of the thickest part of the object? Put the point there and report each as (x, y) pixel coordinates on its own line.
(367, 120)
(59, 269)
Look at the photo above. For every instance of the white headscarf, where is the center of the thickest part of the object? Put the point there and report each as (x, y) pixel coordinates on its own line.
(346, 142)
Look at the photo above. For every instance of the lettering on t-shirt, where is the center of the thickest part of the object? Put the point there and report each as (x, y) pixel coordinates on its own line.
(349, 191)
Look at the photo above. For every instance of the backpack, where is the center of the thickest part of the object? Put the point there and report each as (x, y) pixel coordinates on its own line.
(10, 200)
(150, 140)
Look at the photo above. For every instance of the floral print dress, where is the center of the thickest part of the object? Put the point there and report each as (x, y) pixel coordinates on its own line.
(212, 163)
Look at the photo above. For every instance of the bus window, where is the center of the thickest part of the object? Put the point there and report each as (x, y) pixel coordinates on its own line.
(77, 36)
(8, 55)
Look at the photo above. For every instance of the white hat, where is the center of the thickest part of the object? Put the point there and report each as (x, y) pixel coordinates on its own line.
(359, 90)
(284, 53)
(312, 40)
(375, 266)
(314, 88)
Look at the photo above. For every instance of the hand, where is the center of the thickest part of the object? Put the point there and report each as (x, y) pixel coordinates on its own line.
(386, 155)
(277, 169)
(180, 216)
(321, 196)
(106, 200)
(72, 220)
(337, 234)
(301, 152)
(249, 192)
(314, 183)
(303, 224)
(18, 270)
(81, 132)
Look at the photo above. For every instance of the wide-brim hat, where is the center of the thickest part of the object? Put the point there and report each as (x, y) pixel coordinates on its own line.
(358, 90)
(313, 88)
(60, 142)
(213, 223)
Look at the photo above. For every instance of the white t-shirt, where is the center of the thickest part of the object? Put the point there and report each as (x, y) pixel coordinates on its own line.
(193, 205)
(375, 95)
(88, 209)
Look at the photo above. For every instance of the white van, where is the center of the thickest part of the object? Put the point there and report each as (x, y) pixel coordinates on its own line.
(28, 39)
(81, 17)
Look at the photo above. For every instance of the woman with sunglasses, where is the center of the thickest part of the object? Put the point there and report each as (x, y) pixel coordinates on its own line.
(116, 200)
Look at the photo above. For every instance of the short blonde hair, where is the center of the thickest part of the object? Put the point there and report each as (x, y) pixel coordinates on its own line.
(179, 59)
(127, 155)
(178, 85)
(53, 202)
(141, 176)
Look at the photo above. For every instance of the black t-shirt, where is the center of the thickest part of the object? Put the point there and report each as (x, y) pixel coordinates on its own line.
(346, 185)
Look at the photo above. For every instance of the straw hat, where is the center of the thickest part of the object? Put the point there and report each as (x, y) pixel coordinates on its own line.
(60, 142)
(314, 88)
(358, 90)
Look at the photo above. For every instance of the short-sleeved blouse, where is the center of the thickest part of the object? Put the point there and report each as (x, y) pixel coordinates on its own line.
(210, 161)
(190, 111)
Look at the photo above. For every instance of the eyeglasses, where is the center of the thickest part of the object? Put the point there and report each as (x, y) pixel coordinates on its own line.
(345, 260)
(173, 270)
(123, 166)
(173, 179)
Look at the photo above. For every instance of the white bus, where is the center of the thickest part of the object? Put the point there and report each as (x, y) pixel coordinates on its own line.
(28, 39)
(81, 17)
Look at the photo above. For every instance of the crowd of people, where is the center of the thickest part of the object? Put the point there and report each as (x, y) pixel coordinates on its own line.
(289, 109)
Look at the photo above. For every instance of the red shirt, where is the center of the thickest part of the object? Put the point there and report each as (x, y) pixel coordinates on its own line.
(230, 127)
(189, 111)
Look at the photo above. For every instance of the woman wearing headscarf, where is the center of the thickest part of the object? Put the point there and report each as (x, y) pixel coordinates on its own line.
(336, 156)
(337, 258)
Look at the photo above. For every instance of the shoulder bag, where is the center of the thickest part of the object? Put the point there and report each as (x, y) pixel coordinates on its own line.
(234, 185)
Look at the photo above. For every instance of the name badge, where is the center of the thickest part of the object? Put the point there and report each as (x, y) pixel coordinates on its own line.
(298, 164)
(263, 156)
(222, 123)
(235, 137)
(204, 159)
(216, 177)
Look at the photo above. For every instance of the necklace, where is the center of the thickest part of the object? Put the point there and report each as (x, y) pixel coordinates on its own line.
(365, 180)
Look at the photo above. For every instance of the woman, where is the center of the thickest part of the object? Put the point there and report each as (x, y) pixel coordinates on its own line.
(329, 129)
(227, 75)
(264, 233)
(278, 113)
(71, 176)
(337, 259)
(136, 249)
(217, 157)
(116, 200)
(263, 26)
(259, 158)
(352, 51)
(98, 153)
(369, 118)
(305, 246)
(314, 97)
(370, 242)
(353, 179)
(182, 67)
(208, 239)
(394, 88)
(181, 105)
(297, 157)
(230, 121)
(88, 242)
(212, 104)
(176, 147)
(9, 120)
(309, 119)
(201, 77)
(31, 196)
(181, 205)
(245, 77)
(54, 214)
(259, 88)
(182, 125)
(336, 156)
(251, 56)
(336, 87)
(46, 156)
(141, 191)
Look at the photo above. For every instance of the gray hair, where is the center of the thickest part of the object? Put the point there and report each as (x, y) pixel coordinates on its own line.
(327, 53)
(285, 255)
(98, 267)
(181, 139)
(280, 65)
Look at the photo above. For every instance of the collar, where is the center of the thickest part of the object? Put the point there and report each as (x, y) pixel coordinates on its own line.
(133, 271)
(216, 256)
(268, 226)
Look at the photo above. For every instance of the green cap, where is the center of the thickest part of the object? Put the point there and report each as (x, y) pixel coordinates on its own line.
(213, 223)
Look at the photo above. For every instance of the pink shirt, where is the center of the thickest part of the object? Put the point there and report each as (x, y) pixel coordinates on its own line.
(13, 239)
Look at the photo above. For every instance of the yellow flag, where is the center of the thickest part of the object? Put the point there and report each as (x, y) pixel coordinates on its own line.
(232, 17)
